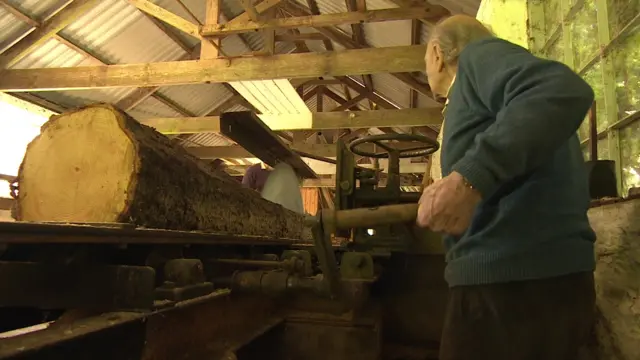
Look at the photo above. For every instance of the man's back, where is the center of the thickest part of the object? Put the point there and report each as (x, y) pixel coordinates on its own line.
(532, 221)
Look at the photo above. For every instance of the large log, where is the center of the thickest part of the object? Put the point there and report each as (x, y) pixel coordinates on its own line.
(96, 164)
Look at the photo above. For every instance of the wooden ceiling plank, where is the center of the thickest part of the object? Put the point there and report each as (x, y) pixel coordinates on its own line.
(320, 121)
(322, 20)
(289, 66)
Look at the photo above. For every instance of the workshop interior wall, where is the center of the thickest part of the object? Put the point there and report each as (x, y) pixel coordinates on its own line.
(617, 279)
(600, 40)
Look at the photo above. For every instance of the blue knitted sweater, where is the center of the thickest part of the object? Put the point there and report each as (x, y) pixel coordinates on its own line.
(510, 130)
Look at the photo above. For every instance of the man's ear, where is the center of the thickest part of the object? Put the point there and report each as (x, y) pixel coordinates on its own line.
(439, 57)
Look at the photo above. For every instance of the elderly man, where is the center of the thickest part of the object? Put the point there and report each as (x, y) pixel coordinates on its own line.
(512, 203)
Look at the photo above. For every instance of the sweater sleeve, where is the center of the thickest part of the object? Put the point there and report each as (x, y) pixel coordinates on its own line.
(538, 105)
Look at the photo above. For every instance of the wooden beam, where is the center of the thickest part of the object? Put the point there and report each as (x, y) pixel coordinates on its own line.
(170, 34)
(437, 12)
(351, 102)
(300, 37)
(319, 121)
(339, 99)
(260, 8)
(320, 98)
(343, 39)
(237, 151)
(416, 34)
(305, 65)
(167, 16)
(247, 5)
(45, 32)
(313, 6)
(322, 20)
(211, 17)
(374, 96)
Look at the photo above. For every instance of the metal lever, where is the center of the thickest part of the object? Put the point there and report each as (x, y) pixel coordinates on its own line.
(328, 221)
(368, 217)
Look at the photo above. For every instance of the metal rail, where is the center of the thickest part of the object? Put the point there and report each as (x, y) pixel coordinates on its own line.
(116, 234)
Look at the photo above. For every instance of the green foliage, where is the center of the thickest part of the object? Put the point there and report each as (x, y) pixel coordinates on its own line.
(630, 155)
(620, 13)
(594, 78)
(552, 17)
(627, 75)
(556, 50)
(584, 35)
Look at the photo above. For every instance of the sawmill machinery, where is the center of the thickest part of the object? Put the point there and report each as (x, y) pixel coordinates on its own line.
(113, 290)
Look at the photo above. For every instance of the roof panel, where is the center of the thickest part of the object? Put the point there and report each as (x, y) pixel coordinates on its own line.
(121, 34)
(77, 98)
(11, 29)
(151, 107)
(51, 54)
(388, 33)
(207, 139)
(199, 98)
(38, 9)
(392, 88)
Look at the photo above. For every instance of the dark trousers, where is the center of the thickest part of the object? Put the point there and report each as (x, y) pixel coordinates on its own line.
(548, 319)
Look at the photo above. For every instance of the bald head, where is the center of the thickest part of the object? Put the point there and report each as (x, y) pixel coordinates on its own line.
(447, 40)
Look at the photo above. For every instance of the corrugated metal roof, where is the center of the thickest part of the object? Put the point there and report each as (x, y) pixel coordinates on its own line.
(197, 98)
(38, 9)
(151, 107)
(11, 28)
(207, 139)
(117, 32)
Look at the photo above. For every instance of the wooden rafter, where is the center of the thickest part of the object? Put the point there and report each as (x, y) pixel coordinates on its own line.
(300, 37)
(168, 17)
(322, 20)
(340, 37)
(437, 11)
(319, 121)
(247, 5)
(359, 37)
(209, 50)
(374, 96)
(314, 10)
(290, 66)
(346, 105)
(46, 31)
(416, 33)
(339, 99)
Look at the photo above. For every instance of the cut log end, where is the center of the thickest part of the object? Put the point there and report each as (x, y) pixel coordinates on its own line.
(80, 169)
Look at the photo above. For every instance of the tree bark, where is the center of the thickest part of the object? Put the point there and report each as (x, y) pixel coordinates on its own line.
(97, 164)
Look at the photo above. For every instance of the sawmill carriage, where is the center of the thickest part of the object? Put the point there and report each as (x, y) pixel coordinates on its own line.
(164, 264)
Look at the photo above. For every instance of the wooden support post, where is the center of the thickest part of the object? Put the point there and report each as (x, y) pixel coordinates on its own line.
(320, 98)
(211, 17)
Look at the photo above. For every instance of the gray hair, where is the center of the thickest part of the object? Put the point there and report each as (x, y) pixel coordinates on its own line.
(454, 33)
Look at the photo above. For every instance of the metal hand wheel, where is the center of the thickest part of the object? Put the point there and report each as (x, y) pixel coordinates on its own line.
(427, 146)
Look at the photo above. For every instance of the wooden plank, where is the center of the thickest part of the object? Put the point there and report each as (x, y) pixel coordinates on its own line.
(48, 29)
(339, 99)
(247, 5)
(289, 66)
(437, 11)
(351, 102)
(167, 16)
(287, 37)
(320, 121)
(374, 96)
(260, 8)
(322, 20)
(211, 17)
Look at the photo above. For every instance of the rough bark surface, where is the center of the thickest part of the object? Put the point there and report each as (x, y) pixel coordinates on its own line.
(173, 190)
(618, 279)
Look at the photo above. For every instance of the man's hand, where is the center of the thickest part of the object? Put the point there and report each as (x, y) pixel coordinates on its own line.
(448, 205)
